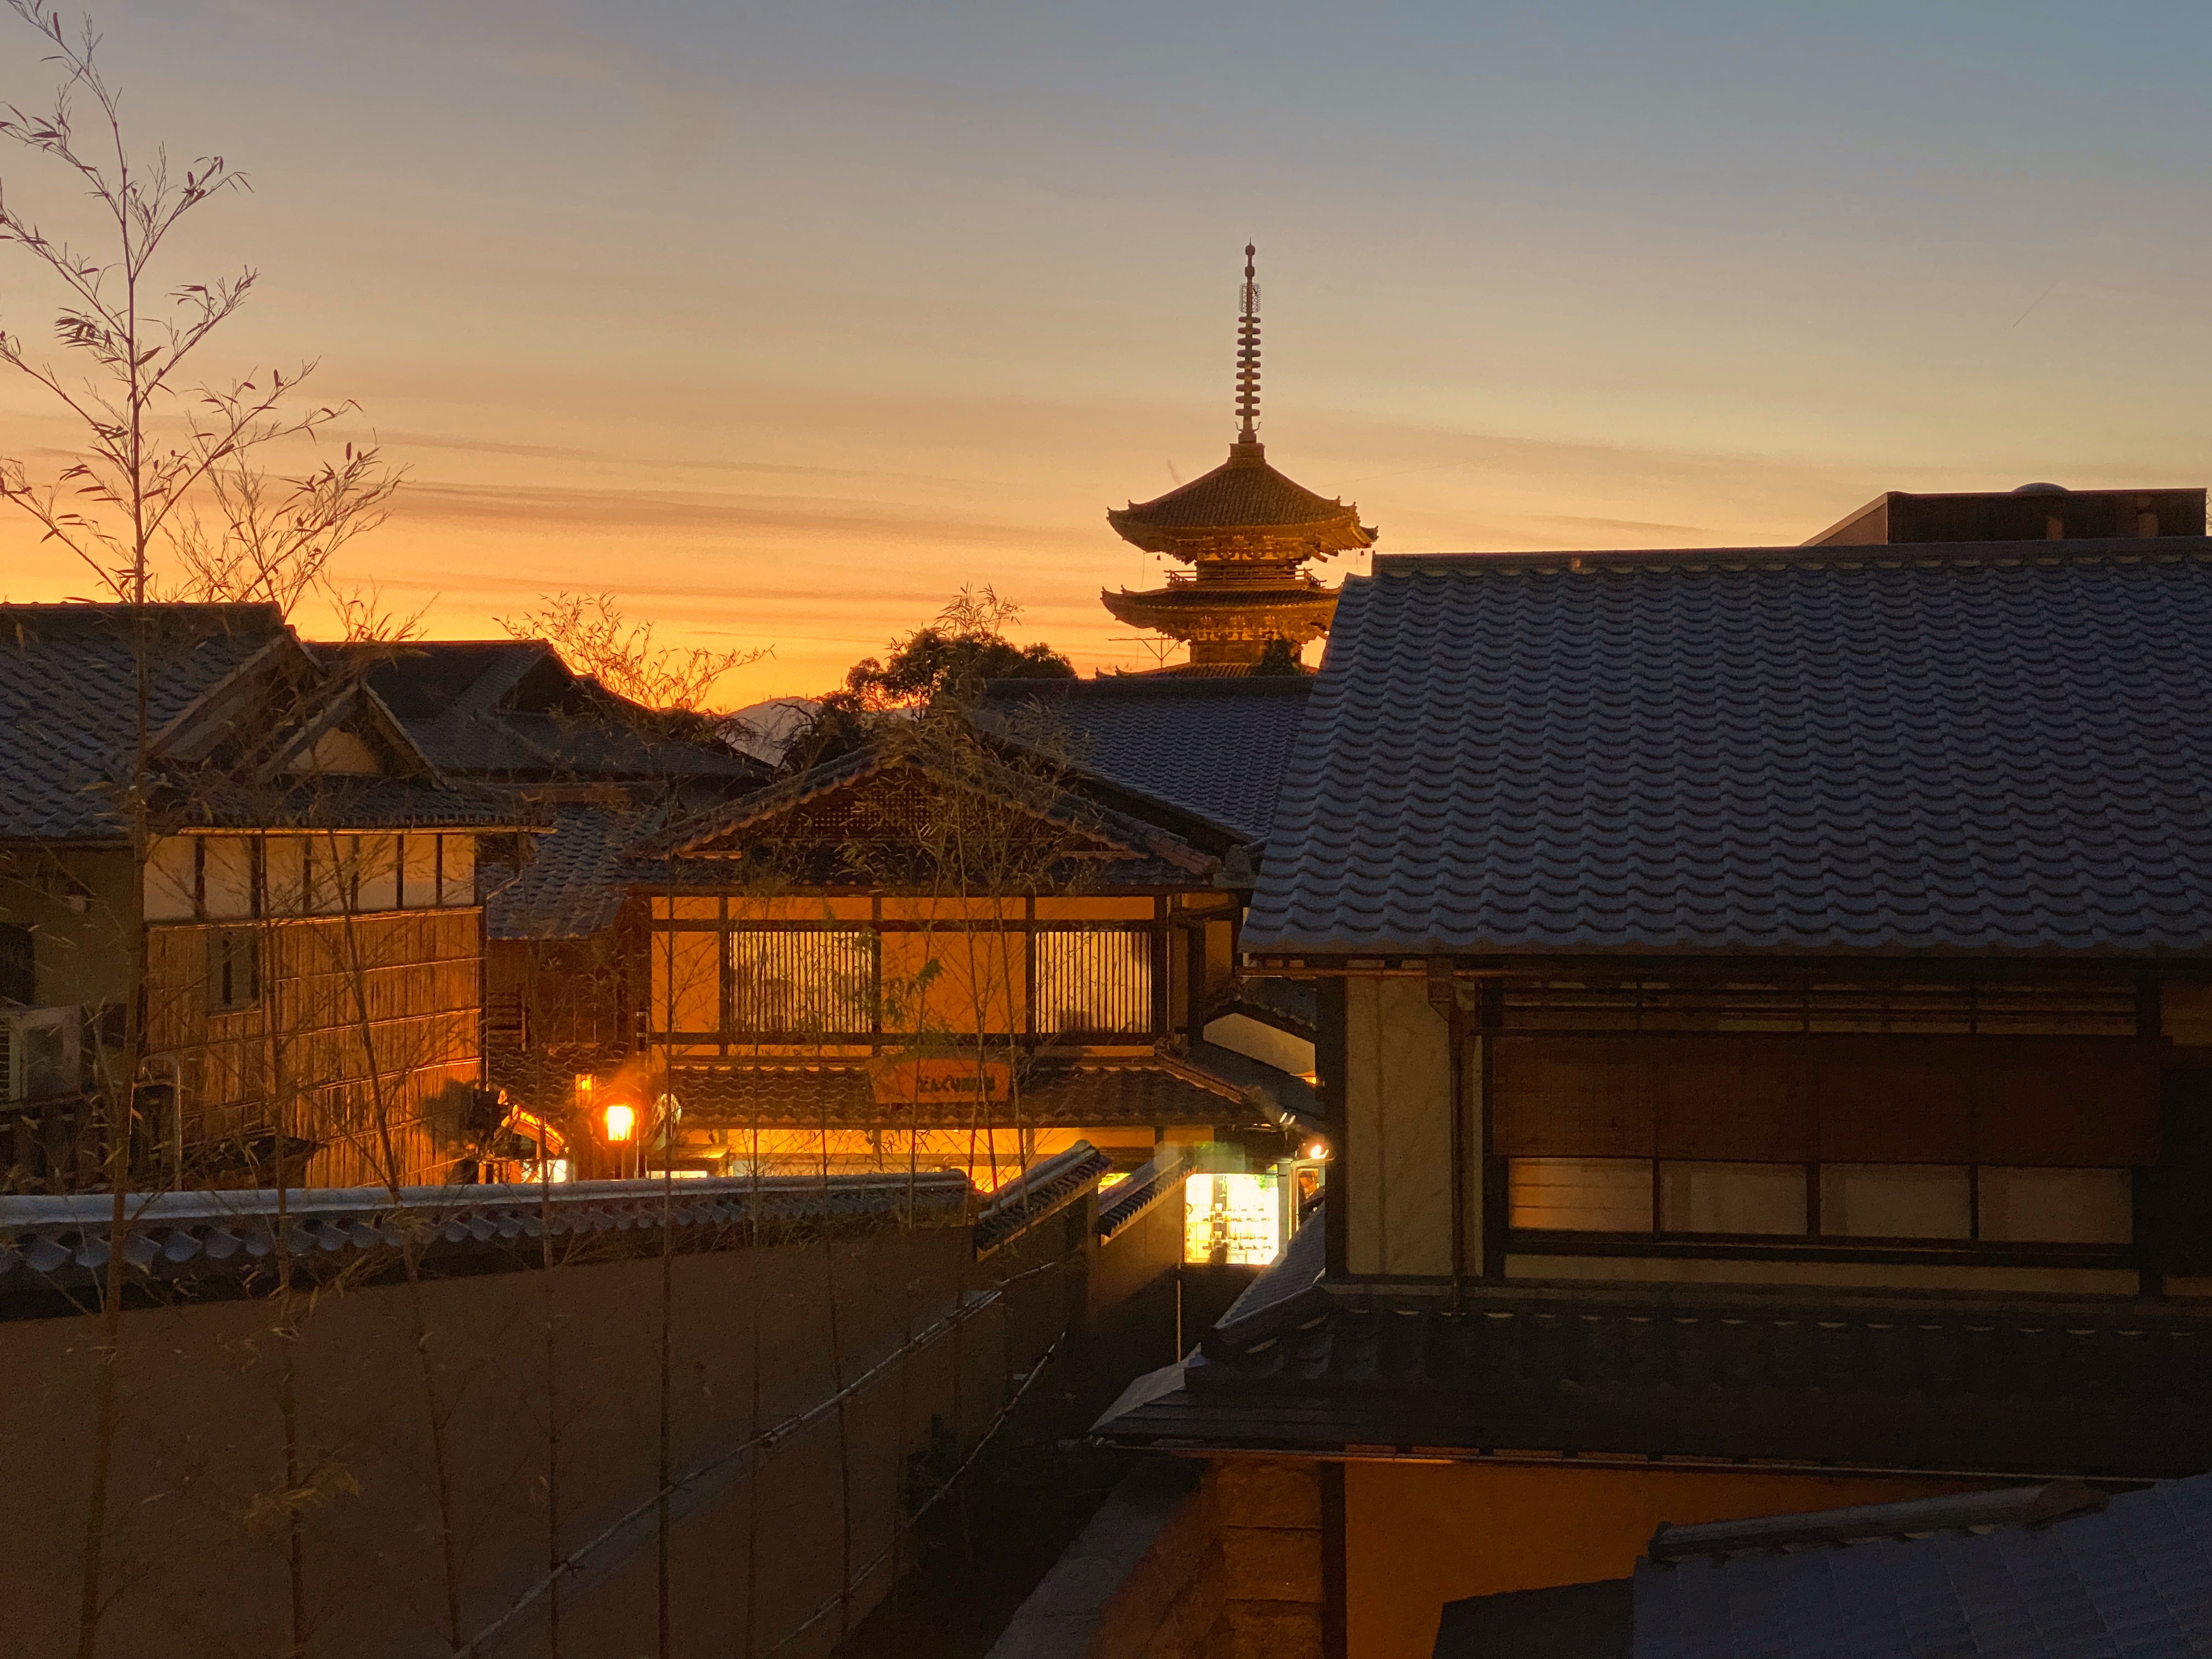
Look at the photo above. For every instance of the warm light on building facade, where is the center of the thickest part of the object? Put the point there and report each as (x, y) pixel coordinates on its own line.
(620, 1121)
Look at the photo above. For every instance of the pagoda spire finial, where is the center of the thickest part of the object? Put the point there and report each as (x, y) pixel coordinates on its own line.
(1247, 356)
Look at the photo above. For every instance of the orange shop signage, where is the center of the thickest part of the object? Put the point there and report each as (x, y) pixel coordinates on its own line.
(941, 1081)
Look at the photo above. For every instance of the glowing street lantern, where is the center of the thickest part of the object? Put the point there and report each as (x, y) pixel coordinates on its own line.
(620, 1121)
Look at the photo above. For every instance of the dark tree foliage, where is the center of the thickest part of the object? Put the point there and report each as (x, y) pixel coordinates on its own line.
(1280, 659)
(933, 662)
(948, 661)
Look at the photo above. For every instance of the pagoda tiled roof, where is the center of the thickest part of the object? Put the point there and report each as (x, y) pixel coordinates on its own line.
(1200, 598)
(1243, 494)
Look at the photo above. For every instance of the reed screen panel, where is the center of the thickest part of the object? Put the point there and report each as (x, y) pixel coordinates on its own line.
(1094, 979)
(819, 981)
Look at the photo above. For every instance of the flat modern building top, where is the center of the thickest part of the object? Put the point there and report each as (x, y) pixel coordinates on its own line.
(2047, 512)
(1991, 748)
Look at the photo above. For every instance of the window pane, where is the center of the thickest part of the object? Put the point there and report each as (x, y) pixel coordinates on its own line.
(1895, 1201)
(2057, 1207)
(1732, 1197)
(811, 983)
(1236, 1219)
(1581, 1195)
(330, 874)
(1097, 980)
(687, 982)
(1204, 1222)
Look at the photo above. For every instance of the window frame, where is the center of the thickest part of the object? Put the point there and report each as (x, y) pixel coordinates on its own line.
(1145, 935)
(873, 995)
(223, 956)
(1154, 934)
(1813, 1244)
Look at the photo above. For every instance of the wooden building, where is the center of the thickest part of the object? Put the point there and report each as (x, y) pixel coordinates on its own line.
(302, 935)
(950, 948)
(565, 955)
(1764, 1000)
(795, 995)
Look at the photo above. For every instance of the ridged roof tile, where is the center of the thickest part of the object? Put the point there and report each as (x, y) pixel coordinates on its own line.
(1214, 748)
(1242, 498)
(2136, 1579)
(1235, 495)
(1996, 747)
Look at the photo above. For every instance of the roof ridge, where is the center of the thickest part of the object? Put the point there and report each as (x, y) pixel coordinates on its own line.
(1150, 685)
(2075, 549)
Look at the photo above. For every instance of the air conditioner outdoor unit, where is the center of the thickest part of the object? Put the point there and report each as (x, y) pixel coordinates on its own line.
(40, 1053)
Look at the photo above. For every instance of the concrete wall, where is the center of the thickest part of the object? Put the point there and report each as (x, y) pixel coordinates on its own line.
(1267, 1517)
(197, 1562)
(1225, 1565)
(1135, 1296)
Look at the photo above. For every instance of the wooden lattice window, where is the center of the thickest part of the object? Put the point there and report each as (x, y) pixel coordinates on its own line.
(817, 980)
(1094, 979)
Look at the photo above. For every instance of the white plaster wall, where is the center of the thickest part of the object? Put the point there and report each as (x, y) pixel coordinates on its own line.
(1398, 1109)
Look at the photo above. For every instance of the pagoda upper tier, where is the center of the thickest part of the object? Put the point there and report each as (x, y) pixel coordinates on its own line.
(1247, 530)
(1243, 510)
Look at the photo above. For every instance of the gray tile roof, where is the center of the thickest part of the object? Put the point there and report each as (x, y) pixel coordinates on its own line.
(2134, 1580)
(230, 691)
(1159, 1178)
(511, 711)
(69, 701)
(1157, 854)
(1217, 749)
(1997, 748)
(575, 881)
(1078, 1094)
(2027, 1387)
(62, 1241)
(1043, 1189)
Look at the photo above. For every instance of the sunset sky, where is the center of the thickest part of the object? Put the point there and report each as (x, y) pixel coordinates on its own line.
(782, 322)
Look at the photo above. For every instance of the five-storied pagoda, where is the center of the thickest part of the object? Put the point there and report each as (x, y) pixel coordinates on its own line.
(1246, 530)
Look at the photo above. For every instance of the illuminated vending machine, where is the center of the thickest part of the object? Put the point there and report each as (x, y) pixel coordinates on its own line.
(1233, 1219)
